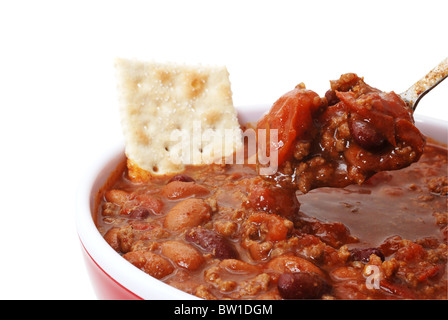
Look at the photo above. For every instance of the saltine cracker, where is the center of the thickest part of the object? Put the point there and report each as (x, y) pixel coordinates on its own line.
(161, 106)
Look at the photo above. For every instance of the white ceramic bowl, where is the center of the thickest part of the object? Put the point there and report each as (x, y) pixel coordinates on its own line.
(115, 278)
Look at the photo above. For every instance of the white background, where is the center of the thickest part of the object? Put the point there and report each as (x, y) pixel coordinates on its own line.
(58, 105)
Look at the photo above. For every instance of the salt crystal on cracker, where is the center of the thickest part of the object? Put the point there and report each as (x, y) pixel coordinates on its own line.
(164, 105)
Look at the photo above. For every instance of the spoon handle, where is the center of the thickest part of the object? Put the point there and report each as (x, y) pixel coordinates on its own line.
(413, 95)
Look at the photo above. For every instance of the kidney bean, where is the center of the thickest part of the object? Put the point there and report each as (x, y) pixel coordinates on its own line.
(181, 177)
(139, 213)
(365, 135)
(363, 254)
(212, 242)
(332, 98)
(301, 285)
(293, 264)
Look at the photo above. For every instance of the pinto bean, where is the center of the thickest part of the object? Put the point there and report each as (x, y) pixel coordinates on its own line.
(345, 273)
(120, 239)
(301, 285)
(119, 197)
(149, 202)
(182, 254)
(212, 242)
(151, 263)
(126, 237)
(187, 214)
(238, 266)
(180, 190)
(111, 238)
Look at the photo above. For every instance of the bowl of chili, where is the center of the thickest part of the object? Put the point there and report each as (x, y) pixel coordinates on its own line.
(116, 278)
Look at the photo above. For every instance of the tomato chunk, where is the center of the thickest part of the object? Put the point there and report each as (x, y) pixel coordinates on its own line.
(292, 115)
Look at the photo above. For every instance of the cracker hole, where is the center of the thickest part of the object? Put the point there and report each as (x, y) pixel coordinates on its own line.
(155, 168)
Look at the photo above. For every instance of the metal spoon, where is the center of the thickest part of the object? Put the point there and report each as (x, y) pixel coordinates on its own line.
(415, 93)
